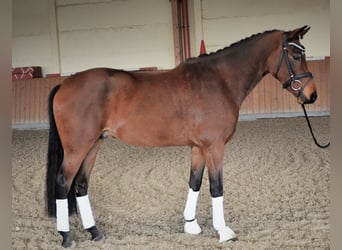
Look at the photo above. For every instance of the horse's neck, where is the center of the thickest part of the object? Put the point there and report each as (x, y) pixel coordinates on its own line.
(243, 73)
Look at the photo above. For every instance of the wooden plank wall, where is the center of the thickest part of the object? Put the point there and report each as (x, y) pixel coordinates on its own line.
(29, 100)
(29, 97)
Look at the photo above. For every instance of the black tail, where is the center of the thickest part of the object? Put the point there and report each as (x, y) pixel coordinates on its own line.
(54, 163)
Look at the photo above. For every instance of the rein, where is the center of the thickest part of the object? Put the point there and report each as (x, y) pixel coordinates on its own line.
(312, 134)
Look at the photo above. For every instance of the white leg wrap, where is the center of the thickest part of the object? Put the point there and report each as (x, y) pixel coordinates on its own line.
(85, 211)
(62, 214)
(218, 220)
(218, 214)
(191, 204)
(191, 226)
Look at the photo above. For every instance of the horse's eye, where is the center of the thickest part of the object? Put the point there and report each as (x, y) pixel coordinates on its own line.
(296, 57)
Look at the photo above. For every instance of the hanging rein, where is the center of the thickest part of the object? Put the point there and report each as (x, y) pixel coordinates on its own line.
(294, 82)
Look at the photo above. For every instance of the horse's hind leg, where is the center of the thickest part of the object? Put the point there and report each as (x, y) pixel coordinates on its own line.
(76, 160)
(196, 173)
(82, 198)
(65, 202)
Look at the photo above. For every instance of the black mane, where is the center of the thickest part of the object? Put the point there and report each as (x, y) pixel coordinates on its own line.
(233, 45)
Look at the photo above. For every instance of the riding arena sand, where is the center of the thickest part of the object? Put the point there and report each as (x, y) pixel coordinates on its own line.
(276, 192)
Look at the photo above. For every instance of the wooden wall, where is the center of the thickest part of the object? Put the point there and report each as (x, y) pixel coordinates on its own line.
(29, 97)
(29, 101)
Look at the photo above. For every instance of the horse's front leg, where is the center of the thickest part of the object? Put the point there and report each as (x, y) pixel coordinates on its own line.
(214, 160)
(196, 173)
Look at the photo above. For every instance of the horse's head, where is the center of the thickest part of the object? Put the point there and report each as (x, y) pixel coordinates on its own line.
(292, 69)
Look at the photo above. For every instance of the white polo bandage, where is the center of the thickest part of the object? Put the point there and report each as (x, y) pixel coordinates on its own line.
(191, 204)
(85, 211)
(62, 214)
(218, 213)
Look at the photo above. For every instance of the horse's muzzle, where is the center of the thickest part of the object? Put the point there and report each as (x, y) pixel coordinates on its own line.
(312, 99)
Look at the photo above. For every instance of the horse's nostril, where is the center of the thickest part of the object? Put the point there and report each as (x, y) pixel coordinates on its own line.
(313, 97)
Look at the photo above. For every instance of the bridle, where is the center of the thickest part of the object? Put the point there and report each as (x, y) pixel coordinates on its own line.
(294, 81)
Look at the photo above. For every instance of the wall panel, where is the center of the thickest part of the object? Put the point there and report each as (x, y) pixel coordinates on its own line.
(29, 103)
(227, 21)
(126, 34)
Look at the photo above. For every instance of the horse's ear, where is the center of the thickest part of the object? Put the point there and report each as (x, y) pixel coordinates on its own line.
(298, 33)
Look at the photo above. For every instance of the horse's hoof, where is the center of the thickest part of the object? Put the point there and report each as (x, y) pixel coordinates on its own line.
(192, 227)
(69, 244)
(226, 234)
(95, 234)
(98, 237)
(67, 241)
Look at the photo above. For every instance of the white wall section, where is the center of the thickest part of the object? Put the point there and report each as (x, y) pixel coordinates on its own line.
(118, 34)
(66, 36)
(228, 21)
(35, 41)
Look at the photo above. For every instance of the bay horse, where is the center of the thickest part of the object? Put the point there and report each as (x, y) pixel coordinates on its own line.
(196, 104)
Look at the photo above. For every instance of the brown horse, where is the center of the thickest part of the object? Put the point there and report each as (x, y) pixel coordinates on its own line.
(195, 104)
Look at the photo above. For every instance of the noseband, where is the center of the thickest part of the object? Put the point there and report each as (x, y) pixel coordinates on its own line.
(294, 82)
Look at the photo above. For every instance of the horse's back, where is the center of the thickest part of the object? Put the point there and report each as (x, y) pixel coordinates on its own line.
(127, 105)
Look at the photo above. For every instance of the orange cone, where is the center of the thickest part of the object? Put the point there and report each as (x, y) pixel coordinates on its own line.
(203, 50)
